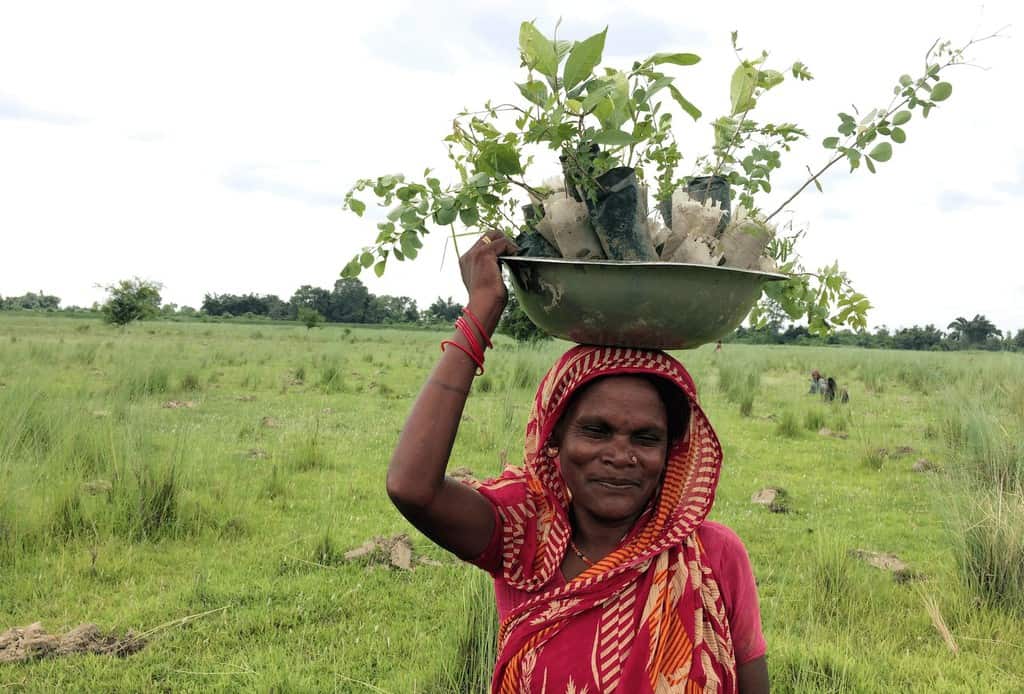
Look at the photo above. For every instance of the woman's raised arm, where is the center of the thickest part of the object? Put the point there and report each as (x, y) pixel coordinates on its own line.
(451, 514)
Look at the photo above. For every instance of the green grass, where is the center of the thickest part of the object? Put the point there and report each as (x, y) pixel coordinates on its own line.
(120, 509)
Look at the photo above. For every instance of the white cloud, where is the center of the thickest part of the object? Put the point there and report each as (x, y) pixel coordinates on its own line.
(205, 145)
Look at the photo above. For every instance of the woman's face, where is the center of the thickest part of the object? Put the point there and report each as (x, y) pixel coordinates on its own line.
(613, 447)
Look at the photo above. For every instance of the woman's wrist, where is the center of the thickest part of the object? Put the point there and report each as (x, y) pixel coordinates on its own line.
(486, 311)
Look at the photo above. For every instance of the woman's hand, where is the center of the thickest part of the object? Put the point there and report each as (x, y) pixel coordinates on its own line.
(481, 273)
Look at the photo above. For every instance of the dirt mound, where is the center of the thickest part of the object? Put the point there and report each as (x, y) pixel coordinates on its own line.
(772, 498)
(269, 423)
(33, 642)
(901, 571)
(257, 454)
(395, 551)
(461, 474)
(825, 431)
(178, 404)
(94, 487)
(924, 465)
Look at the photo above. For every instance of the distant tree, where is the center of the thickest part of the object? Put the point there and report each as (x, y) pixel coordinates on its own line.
(926, 338)
(131, 300)
(309, 317)
(516, 324)
(444, 310)
(31, 301)
(1018, 339)
(395, 309)
(186, 311)
(311, 297)
(350, 302)
(974, 332)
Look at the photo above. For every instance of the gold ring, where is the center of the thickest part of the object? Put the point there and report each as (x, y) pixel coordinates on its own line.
(487, 240)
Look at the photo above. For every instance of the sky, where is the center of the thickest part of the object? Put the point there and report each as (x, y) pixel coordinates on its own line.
(208, 145)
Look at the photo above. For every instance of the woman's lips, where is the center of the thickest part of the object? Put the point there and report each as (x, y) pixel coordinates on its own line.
(618, 485)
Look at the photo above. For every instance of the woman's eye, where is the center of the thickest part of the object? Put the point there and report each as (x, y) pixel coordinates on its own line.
(593, 430)
(649, 439)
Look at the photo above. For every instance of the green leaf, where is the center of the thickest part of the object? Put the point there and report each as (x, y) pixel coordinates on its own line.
(898, 135)
(596, 91)
(538, 51)
(573, 106)
(534, 91)
(906, 80)
(741, 89)
(941, 91)
(830, 142)
(378, 269)
(357, 206)
(801, 72)
(672, 59)
(684, 103)
(352, 269)
(469, 215)
(901, 117)
(498, 158)
(870, 164)
(766, 79)
(445, 215)
(614, 138)
(366, 259)
(583, 58)
(881, 152)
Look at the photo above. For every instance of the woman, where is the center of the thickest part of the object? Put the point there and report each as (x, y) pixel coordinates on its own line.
(606, 575)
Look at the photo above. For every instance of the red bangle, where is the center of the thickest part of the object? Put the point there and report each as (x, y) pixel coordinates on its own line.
(478, 325)
(479, 363)
(467, 332)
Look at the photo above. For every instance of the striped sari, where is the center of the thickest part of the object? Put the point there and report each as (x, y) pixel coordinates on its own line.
(647, 618)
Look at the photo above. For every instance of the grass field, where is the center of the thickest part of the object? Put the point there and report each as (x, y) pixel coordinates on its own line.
(174, 469)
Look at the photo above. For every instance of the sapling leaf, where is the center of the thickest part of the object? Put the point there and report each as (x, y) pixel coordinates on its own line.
(684, 103)
(378, 269)
(538, 50)
(357, 206)
(830, 142)
(534, 91)
(870, 164)
(941, 91)
(352, 269)
(614, 138)
(901, 117)
(898, 135)
(741, 89)
(672, 58)
(583, 58)
(366, 259)
(881, 152)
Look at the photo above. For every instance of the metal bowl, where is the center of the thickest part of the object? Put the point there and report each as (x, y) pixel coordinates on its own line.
(635, 304)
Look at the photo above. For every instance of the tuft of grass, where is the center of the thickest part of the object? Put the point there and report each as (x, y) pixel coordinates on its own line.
(309, 453)
(190, 382)
(141, 381)
(747, 404)
(788, 425)
(831, 593)
(273, 486)
(332, 379)
(991, 554)
(814, 419)
(470, 667)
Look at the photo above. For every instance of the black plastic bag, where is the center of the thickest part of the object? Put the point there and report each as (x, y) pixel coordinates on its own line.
(619, 216)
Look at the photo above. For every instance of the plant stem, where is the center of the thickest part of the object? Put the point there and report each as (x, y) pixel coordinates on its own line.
(808, 182)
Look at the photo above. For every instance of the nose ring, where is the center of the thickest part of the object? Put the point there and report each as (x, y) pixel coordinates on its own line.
(632, 458)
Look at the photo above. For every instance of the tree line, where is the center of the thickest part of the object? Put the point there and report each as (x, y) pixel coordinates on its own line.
(349, 301)
(962, 333)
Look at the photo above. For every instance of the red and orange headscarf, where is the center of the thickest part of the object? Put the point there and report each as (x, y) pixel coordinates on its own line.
(656, 608)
